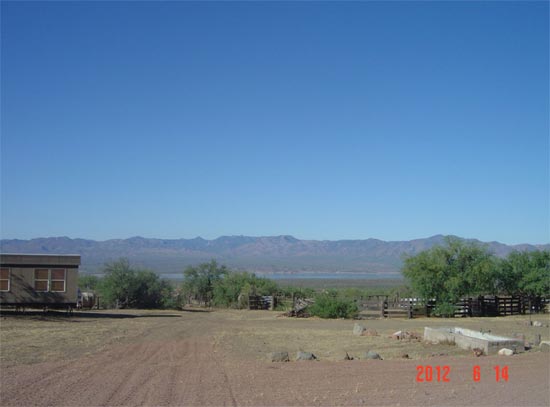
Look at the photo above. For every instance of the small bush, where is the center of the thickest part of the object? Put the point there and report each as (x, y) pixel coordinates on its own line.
(228, 288)
(329, 306)
(445, 310)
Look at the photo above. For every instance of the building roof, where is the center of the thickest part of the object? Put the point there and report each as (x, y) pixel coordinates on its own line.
(38, 260)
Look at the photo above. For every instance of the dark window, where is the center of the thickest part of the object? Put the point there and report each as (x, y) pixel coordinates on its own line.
(41, 279)
(50, 280)
(4, 279)
(57, 280)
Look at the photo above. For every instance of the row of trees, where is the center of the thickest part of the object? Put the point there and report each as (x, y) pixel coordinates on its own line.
(464, 269)
(208, 284)
(123, 286)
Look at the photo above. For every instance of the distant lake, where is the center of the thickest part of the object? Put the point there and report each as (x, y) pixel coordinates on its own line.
(292, 276)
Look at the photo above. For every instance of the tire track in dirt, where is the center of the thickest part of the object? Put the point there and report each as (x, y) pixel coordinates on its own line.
(45, 374)
(184, 372)
(130, 381)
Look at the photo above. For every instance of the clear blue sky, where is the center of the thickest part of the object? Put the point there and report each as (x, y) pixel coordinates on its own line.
(321, 120)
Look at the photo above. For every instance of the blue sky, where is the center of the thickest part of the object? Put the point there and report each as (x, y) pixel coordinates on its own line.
(321, 120)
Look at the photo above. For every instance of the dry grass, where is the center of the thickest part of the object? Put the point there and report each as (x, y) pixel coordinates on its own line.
(331, 339)
(36, 338)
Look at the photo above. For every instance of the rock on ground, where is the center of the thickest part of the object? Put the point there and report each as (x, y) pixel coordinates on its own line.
(279, 357)
(371, 355)
(506, 352)
(397, 335)
(305, 356)
(358, 329)
(369, 332)
(346, 356)
(545, 346)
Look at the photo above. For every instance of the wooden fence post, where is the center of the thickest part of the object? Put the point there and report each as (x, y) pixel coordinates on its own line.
(385, 313)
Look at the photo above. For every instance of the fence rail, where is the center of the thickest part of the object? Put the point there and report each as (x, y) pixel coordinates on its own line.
(483, 306)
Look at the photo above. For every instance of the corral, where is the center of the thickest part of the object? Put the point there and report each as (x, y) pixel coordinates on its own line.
(217, 357)
(483, 306)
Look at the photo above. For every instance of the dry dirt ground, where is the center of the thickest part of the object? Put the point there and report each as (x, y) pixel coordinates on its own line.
(131, 358)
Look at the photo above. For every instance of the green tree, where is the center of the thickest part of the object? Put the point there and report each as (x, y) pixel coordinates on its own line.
(449, 272)
(87, 282)
(118, 284)
(198, 281)
(536, 281)
(525, 273)
(150, 291)
(124, 287)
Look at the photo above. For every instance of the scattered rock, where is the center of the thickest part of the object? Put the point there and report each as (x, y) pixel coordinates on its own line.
(505, 352)
(371, 355)
(406, 335)
(537, 323)
(279, 357)
(413, 335)
(346, 356)
(358, 329)
(478, 352)
(305, 356)
(397, 335)
(369, 332)
(545, 346)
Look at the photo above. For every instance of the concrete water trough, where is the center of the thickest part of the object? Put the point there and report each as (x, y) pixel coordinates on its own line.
(470, 339)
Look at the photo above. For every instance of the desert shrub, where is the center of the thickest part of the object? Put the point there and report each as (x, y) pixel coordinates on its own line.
(444, 309)
(227, 289)
(329, 305)
(125, 287)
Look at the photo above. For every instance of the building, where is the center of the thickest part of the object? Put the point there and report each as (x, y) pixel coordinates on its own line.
(39, 280)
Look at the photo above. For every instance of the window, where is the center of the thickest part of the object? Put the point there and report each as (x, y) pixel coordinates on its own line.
(41, 279)
(4, 279)
(53, 280)
(57, 280)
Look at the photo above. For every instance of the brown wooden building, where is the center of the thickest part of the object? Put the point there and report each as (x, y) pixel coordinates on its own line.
(28, 280)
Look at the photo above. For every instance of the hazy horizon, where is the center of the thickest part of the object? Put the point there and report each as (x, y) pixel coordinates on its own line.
(272, 236)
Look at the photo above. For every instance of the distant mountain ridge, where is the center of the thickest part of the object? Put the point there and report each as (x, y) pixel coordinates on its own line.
(269, 254)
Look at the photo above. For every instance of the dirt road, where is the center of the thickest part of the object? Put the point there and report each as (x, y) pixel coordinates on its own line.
(182, 361)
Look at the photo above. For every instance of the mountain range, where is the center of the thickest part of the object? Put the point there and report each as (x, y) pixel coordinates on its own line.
(270, 254)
